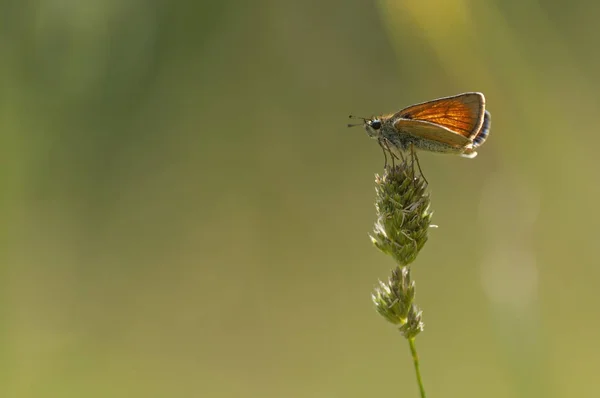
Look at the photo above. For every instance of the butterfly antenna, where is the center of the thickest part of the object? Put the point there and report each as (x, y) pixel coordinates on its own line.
(357, 117)
(364, 120)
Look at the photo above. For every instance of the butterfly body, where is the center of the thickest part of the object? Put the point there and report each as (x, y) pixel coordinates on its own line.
(454, 125)
(400, 139)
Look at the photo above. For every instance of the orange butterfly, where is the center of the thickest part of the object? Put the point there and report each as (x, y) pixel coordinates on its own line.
(456, 124)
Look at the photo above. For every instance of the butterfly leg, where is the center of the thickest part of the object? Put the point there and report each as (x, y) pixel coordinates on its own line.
(414, 157)
(392, 154)
(383, 143)
(401, 158)
(383, 148)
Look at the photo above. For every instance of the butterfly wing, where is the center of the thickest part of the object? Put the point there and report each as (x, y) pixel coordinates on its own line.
(432, 132)
(461, 114)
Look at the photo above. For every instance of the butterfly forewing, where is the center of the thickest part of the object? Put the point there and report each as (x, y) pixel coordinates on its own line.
(461, 114)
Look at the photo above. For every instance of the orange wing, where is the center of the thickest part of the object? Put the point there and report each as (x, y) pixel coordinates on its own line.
(462, 114)
(432, 132)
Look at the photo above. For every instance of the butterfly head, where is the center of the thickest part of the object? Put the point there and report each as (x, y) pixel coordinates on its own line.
(372, 126)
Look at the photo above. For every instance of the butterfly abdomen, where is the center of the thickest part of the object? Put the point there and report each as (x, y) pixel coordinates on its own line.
(482, 135)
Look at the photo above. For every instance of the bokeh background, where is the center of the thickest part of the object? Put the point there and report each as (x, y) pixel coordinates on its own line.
(185, 214)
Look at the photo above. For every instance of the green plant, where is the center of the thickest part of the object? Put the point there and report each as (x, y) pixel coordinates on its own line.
(401, 230)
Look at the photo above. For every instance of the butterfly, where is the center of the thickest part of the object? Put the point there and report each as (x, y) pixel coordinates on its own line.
(457, 125)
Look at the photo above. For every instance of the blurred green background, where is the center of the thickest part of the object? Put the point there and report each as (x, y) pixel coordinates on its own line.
(185, 213)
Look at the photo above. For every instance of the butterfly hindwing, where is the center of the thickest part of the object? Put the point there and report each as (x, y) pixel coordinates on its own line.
(431, 132)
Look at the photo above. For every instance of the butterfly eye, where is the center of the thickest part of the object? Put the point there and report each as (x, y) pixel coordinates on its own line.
(376, 124)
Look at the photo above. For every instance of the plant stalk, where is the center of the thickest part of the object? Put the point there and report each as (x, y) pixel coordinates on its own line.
(413, 350)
